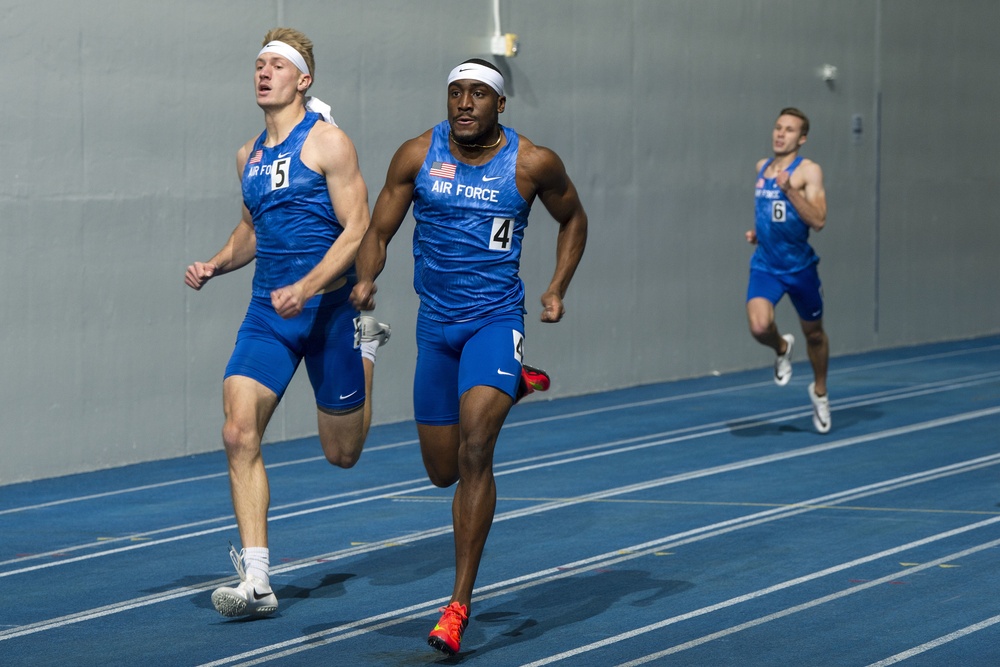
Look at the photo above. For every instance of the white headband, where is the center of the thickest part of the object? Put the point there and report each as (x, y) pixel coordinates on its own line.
(477, 72)
(286, 51)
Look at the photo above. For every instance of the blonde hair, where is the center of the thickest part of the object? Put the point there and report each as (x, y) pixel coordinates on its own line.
(297, 41)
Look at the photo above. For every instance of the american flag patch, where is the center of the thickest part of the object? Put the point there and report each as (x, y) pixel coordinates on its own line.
(442, 170)
(256, 157)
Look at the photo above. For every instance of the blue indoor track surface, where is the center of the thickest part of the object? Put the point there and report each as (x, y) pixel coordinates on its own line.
(698, 522)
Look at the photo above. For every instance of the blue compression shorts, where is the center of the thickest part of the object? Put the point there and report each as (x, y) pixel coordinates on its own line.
(269, 349)
(802, 287)
(455, 357)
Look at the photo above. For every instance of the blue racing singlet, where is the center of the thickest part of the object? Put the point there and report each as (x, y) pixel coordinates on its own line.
(291, 210)
(470, 222)
(782, 237)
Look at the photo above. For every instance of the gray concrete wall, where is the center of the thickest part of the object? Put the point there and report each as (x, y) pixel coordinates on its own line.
(122, 121)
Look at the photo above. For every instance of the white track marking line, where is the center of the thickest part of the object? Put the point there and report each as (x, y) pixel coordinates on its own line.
(857, 588)
(347, 631)
(697, 431)
(560, 572)
(517, 424)
(940, 641)
(673, 479)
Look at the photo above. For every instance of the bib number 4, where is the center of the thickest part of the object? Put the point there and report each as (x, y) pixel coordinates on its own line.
(518, 346)
(502, 234)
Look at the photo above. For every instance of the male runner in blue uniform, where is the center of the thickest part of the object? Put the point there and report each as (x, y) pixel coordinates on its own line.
(471, 182)
(791, 202)
(305, 211)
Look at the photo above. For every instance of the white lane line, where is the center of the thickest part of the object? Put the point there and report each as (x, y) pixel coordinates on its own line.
(857, 588)
(183, 480)
(940, 641)
(786, 414)
(673, 479)
(518, 424)
(699, 431)
(834, 403)
(340, 633)
(532, 579)
(747, 463)
(408, 486)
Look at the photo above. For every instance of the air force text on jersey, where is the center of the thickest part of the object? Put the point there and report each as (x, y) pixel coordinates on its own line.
(260, 170)
(467, 191)
(767, 194)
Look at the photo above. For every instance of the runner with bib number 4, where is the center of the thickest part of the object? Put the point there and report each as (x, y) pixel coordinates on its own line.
(471, 182)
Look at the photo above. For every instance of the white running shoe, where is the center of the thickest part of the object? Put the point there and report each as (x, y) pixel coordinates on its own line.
(783, 364)
(367, 328)
(821, 410)
(252, 597)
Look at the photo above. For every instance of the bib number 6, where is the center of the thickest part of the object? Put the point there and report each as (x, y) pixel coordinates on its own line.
(778, 212)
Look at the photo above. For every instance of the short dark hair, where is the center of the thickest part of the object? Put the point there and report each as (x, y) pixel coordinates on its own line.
(792, 111)
(484, 63)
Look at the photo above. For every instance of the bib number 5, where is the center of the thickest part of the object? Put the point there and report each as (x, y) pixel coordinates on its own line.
(279, 173)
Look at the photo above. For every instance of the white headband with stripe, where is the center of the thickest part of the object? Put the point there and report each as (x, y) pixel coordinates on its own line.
(287, 52)
(477, 72)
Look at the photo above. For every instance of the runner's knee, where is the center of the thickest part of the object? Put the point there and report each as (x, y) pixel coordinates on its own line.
(239, 440)
(343, 450)
(439, 478)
